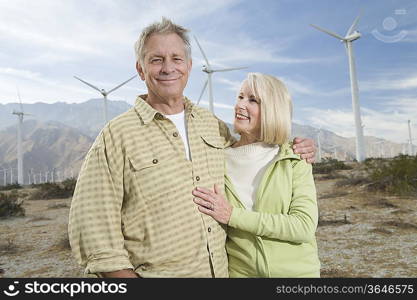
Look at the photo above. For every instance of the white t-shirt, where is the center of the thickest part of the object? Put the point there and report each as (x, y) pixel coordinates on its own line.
(180, 122)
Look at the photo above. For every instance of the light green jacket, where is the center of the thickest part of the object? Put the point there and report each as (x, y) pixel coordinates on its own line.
(277, 238)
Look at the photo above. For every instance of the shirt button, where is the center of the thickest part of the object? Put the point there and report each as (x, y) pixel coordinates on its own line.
(143, 267)
(197, 178)
(212, 254)
(155, 161)
(209, 229)
(175, 134)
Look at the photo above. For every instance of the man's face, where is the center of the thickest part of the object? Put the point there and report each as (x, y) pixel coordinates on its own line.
(165, 67)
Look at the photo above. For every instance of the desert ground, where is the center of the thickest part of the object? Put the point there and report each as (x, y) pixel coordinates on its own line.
(360, 234)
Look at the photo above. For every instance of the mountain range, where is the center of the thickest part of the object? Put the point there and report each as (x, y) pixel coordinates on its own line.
(55, 147)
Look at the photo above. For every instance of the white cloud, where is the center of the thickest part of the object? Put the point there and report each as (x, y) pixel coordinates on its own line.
(246, 50)
(26, 74)
(32, 87)
(390, 123)
(390, 81)
(218, 105)
(304, 87)
(233, 85)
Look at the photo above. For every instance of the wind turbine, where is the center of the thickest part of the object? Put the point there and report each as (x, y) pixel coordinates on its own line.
(19, 115)
(410, 140)
(334, 148)
(207, 69)
(381, 148)
(352, 35)
(104, 92)
(319, 144)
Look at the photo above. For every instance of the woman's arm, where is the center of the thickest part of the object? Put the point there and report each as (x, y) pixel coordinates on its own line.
(298, 226)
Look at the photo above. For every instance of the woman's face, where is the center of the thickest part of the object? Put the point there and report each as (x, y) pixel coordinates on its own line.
(247, 112)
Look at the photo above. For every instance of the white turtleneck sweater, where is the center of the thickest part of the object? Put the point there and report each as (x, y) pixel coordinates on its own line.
(245, 166)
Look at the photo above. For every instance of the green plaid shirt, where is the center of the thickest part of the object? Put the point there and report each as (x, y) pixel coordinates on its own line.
(132, 206)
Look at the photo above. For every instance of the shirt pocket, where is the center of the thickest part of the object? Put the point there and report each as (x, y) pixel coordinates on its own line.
(152, 175)
(214, 148)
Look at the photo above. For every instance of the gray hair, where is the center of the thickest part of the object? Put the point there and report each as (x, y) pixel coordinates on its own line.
(166, 26)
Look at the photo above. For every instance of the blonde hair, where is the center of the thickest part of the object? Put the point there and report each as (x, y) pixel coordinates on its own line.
(165, 26)
(276, 107)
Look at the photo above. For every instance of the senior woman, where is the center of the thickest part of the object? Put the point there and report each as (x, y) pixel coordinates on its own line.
(271, 210)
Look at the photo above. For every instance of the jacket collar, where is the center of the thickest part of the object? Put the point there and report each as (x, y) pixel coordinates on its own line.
(147, 113)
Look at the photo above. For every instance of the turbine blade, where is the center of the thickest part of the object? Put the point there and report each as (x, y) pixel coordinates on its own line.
(328, 32)
(121, 84)
(230, 69)
(202, 52)
(211, 101)
(20, 100)
(202, 91)
(353, 26)
(89, 84)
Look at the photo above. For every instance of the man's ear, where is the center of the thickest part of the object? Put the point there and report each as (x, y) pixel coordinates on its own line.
(140, 71)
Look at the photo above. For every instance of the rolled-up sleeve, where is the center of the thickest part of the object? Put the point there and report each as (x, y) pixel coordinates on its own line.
(95, 231)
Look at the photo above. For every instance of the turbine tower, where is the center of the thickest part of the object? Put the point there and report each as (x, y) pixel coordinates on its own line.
(207, 69)
(410, 140)
(104, 92)
(381, 148)
(19, 115)
(351, 36)
(319, 145)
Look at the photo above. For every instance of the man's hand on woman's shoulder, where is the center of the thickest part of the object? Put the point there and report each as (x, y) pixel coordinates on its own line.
(306, 148)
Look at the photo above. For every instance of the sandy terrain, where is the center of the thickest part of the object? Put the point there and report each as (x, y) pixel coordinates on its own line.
(360, 234)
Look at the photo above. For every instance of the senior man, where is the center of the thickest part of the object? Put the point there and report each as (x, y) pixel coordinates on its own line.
(132, 213)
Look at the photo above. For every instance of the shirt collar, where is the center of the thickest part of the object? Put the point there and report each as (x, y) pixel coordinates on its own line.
(147, 113)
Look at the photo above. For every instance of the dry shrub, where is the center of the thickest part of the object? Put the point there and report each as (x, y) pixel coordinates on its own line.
(400, 224)
(64, 243)
(396, 176)
(383, 203)
(329, 165)
(10, 186)
(39, 218)
(334, 222)
(353, 180)
(8, 245)
(51, 190)
(333, 273)
(57, 205)
(381, 230)
(10, 205)
(334, 194)
(333, 175)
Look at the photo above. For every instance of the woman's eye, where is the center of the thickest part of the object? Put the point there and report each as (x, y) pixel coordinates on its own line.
(253, 100)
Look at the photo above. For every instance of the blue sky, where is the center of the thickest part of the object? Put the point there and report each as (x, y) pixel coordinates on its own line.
(44, 43)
